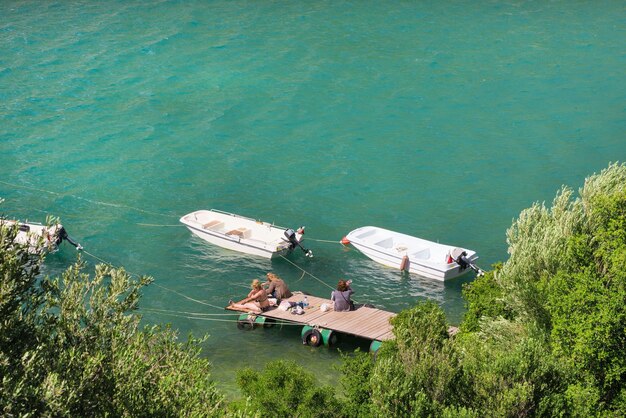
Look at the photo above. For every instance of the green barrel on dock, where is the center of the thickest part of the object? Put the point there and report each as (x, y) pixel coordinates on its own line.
(375, 345)
(316, 336)
(248, 322)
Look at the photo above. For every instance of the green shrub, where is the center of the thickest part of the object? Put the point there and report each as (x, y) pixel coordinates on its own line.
(484, 299)
(356, 372)
(72, 347)
(284, 389)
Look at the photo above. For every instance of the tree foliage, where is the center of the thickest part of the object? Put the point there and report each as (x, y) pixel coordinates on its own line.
(484, 298)
(72, 346)
(544, 333)
(356, 371)
(509, 371)
(284, 389)
(565, 280)
(415, 374)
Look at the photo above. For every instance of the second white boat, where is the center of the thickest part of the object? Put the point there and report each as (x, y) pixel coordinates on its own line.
(243, 234)
(416, 255)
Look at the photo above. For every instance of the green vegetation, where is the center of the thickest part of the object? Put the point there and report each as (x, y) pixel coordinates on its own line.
(72, 347)
(284, 389)
(544, 335)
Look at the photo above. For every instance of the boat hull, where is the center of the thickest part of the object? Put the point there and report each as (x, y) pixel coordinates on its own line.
(36, 236)
(396, 246)
(238, 233)
(235, 244)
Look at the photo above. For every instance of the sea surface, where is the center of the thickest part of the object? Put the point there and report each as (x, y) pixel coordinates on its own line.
(440, 119)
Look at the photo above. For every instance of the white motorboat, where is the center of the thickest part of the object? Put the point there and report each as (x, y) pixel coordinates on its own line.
(243, 234)
(30, 233)
(416, 255)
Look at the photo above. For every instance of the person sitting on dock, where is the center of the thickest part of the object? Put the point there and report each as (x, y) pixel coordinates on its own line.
(341, 296)
(277, 287)
(256, 301)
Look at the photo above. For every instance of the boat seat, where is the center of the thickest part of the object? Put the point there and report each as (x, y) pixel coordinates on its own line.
(240, 232)
(422, 254)
(386, 243)
(213, 225)
(367, 234)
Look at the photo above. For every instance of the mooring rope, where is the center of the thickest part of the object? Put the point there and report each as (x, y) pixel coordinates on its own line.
(97, 202)
(277, 322)
(190, 298)
(196, 315)
(334, 241)
(158, 225)
(199, 318)
(306, 272)
(190, 313)
(100, 259)
(247, 286)
(301, 277)
(205, 316)
(156, 284)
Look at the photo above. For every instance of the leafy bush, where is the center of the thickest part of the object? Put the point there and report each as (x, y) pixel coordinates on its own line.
(417, 373)
(565, 281)
(484, 298)
(356, 372)
(284, 389)
(544, 332)
(72, 347)
(586, 299)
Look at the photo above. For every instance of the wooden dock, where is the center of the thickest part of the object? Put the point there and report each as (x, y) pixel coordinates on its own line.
(365, 322)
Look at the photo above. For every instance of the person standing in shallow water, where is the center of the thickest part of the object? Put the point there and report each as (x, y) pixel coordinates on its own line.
(341, 296)
(277, 287)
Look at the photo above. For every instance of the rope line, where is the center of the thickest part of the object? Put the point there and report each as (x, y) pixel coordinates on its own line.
(301, 277)
(189, 313)
(141, 224)
(156, 284)
(204, 316)
(117, 205)
(316, 278)
(97, 202)
(306, 272)
(99, 259)
(334, 241)
(190, 298)
(281, 323)
(247, 286)
(200, 318)
(30, 188)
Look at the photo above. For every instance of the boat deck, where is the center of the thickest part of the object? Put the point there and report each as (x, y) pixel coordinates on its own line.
(364, 322)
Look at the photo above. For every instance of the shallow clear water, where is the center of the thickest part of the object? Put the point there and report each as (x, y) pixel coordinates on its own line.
(436, 119)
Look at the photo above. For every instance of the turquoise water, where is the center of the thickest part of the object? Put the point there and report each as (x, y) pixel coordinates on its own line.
(437, 119)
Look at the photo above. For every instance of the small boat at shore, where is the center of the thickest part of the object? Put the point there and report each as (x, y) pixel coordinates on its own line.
(30, 233)
(415, 255)
(243, 234)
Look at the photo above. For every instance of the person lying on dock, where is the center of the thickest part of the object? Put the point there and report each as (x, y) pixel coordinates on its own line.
(277, 287)
(256, 301)
(341, 296)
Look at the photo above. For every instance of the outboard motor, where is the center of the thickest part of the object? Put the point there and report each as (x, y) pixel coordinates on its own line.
(294, 242)
(459, 255)
(62, 235)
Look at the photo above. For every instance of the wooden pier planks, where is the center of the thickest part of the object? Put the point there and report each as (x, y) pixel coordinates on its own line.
(370, 323)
